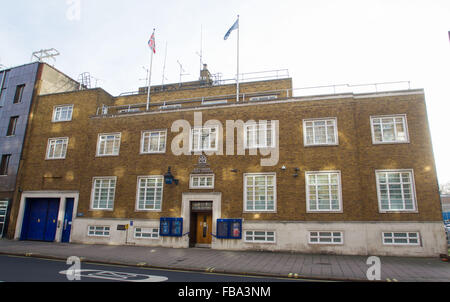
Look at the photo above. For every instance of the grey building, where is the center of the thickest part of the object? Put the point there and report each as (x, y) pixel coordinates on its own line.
(18, 88)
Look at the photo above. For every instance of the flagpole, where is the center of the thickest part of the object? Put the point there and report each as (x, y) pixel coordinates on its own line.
(150, 75)
(237, 75)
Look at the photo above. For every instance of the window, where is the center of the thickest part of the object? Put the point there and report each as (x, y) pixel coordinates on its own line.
(259, 135)
(19, 94)
(401, 238)
(3, 210)
(62, 113)
(202, 182)
(323, 191)
(57, 148)
(98, 231)
(320, 132)
(395, 190)
(12, 126)
(204, 139)
(146, 233)
(326, 237)
(108, 144)
(389, 129)
(259, 192)
(103, 191)
(260, 236)
(4, 164)
(150, 191)
(153, 142)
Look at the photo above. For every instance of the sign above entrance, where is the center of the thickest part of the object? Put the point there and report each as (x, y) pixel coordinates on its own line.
(202, 166)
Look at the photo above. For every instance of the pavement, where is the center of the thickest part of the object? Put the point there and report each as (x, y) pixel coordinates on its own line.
(257, 263)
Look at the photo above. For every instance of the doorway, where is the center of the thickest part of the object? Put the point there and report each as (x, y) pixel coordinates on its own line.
(40, 219)
(201, 224)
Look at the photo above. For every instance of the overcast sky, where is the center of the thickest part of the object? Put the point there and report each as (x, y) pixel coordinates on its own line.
(320, 42)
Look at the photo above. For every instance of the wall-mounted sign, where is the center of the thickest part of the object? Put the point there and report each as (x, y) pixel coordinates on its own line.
(202, 166)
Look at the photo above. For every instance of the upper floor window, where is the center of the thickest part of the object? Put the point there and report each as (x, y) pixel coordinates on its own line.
(202, 182)
(153, 142)
(19, 94)
(323, 191)
(389, 129)
(57, 148)
(4, 164)
(62, 113)
(12, 126)
(108, 144)
(103, 192)
(150, 193)
(317, 132)
(259, 135)
(260, 192)
(204, 139)
(396, 190)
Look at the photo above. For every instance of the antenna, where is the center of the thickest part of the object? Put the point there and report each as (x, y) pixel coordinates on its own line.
(201, 50)
(164, 67)
(42, 54)
(146, 74)
(181, 71)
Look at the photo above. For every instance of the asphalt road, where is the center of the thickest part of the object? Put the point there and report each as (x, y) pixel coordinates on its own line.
(27, 269)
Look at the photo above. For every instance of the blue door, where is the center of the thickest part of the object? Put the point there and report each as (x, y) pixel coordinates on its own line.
(40, 219)
(67, 226)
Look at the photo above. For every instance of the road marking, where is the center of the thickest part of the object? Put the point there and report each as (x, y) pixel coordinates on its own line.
(115, 276)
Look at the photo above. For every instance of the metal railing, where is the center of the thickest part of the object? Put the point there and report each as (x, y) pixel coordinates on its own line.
(266, 95)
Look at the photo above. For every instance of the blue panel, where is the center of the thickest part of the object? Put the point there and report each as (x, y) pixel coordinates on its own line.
(51, 220)
(171, 227)
(67, 224)
(229, 229)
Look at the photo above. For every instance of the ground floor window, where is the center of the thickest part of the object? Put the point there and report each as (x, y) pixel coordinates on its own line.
(3, 210)
(326, 237)
(260, 236)
(146, 233)
(98, 231)
(401, 238)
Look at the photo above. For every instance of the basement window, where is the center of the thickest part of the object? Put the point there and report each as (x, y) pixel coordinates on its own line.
(401, 238)
(326, 238)
(98, 231)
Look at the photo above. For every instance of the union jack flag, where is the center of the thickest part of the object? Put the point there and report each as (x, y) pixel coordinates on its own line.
(152, 43)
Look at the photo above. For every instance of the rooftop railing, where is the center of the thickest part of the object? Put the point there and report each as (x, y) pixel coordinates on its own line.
(257, 96)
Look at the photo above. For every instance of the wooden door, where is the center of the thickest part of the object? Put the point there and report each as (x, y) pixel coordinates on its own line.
(204, 228)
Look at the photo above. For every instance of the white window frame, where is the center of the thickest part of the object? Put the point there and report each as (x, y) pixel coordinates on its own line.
(308, 205)
(265, 235)
(393, 116)
(4, 207)
(146, 230)
(62, 107)
(412, 188)
(326, 120)
(191, 182)
(49, 144)
(149, 133)
(117, 140)
(407, 237)
(138, 192)
(261, 126)
(274, 210)
(200, 147)
(113, 193)
(321, 234)
(99, 228)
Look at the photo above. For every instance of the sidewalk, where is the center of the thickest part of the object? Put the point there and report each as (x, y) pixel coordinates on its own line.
(329, 267)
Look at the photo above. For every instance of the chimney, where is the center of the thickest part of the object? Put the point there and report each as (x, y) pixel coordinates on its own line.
(205, 75)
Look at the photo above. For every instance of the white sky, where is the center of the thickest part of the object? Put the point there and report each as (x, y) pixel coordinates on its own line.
(321, 42)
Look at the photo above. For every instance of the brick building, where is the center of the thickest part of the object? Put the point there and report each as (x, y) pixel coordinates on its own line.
(19, 86)
(340, 173)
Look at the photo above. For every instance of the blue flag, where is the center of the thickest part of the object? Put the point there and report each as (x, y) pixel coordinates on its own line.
(235, 26)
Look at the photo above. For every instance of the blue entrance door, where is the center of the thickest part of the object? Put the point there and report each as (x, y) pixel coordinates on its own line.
(67, 227)
(40, 219)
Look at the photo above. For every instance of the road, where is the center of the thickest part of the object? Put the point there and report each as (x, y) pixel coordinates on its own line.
(28, 269)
